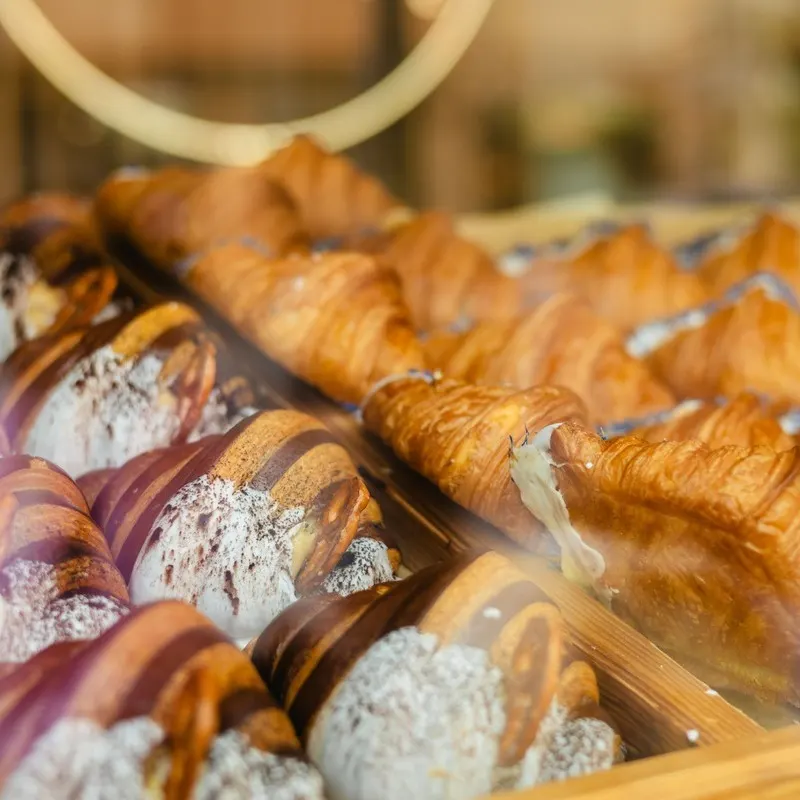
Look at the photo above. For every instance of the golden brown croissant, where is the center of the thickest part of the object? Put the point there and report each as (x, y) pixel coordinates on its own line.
(240, 525)
(162, 705)
(694, 546)
(336, 320)
(335, 199)
(457, 435)
(562, 343)
(176, 212)
(625, 275)
(57, 579)
(748, 341)
(450, 683)
(447, 279)
(93, 397)
(744, 421)
(772, 244)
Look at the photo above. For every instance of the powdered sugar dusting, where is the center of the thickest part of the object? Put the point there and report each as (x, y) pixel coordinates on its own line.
(217, 417)
(34, 617)
(17, 277)
(364, 563)
(112, 408)
(412, 720)
(78, 758)
(237, 771)
(226, 551)
(579, 747)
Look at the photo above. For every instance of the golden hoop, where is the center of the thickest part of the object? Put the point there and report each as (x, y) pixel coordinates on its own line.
(190, 137)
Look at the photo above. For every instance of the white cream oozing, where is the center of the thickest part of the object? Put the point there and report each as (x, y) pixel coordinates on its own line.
(412, 719)
(34, 616)
(364, 563)
(226, 551)
(217, 417)
(103, 413)
(532, 471)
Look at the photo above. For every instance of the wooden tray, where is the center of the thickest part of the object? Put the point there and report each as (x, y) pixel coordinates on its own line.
(660, 707)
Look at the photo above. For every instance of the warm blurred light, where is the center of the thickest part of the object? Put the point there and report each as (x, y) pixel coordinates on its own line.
(197, 139)
(425, 9)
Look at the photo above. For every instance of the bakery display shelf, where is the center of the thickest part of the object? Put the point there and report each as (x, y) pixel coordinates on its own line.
(659, 706)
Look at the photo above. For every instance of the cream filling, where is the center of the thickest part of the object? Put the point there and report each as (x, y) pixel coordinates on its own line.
(41, 308)
(532, 471)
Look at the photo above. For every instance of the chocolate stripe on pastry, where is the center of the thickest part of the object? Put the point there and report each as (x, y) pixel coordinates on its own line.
(287, 454)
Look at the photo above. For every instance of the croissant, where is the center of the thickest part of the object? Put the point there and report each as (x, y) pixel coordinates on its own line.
(174, 213)
(450, 683)
(744, 421)
(457, 435)
(242, 524)
(334, 198)
(93, 397)
(748, 340)
(58, 582)
(694, 546)
(625, 275)
(161, 705)
(447, 279)
(336, 319)
(771, 244)
(561, 343)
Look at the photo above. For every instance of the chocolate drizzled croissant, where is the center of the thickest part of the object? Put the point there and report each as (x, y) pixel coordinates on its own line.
(57, 579)
(163, 699)
(745, 421)
(561, 343)
(92, 397)
(334, 198)
(772, 245)
(625, 275)
(336, 320)
(694, 546)
(748, 341)
(457, 435)
(174, 213)
(242, 524)
(450, 683)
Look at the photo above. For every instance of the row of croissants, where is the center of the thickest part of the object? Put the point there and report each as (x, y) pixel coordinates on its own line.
(201, 599)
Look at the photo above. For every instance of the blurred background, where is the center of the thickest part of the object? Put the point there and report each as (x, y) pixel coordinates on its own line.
(695, 99)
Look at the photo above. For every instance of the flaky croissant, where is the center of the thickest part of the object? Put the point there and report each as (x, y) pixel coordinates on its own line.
(337, 320)
(747, 341)
(334, 198)
(241, 525)
(450, 683)
(57, 579)
(625, 275)
(694, 546)
(446, 278)
(162, 705)
(174, 213)
(562, 343)
(745, 421)
(457, 435)
(771, 244)
(92, 397)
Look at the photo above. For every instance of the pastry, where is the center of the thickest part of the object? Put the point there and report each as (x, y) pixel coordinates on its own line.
(771, 244)
(745, 421)
(447, 279)
(746, 341)
(243, 524)
(451, 683)
(625, 275)
(337, 320)
(93, 397)
(174, 213)
(562, 343)
(335, 199)
(162, 705)
(457, 435)
(58, 582)
(692, 545)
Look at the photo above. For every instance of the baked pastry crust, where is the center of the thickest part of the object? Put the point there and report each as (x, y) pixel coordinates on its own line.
(562, 342)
